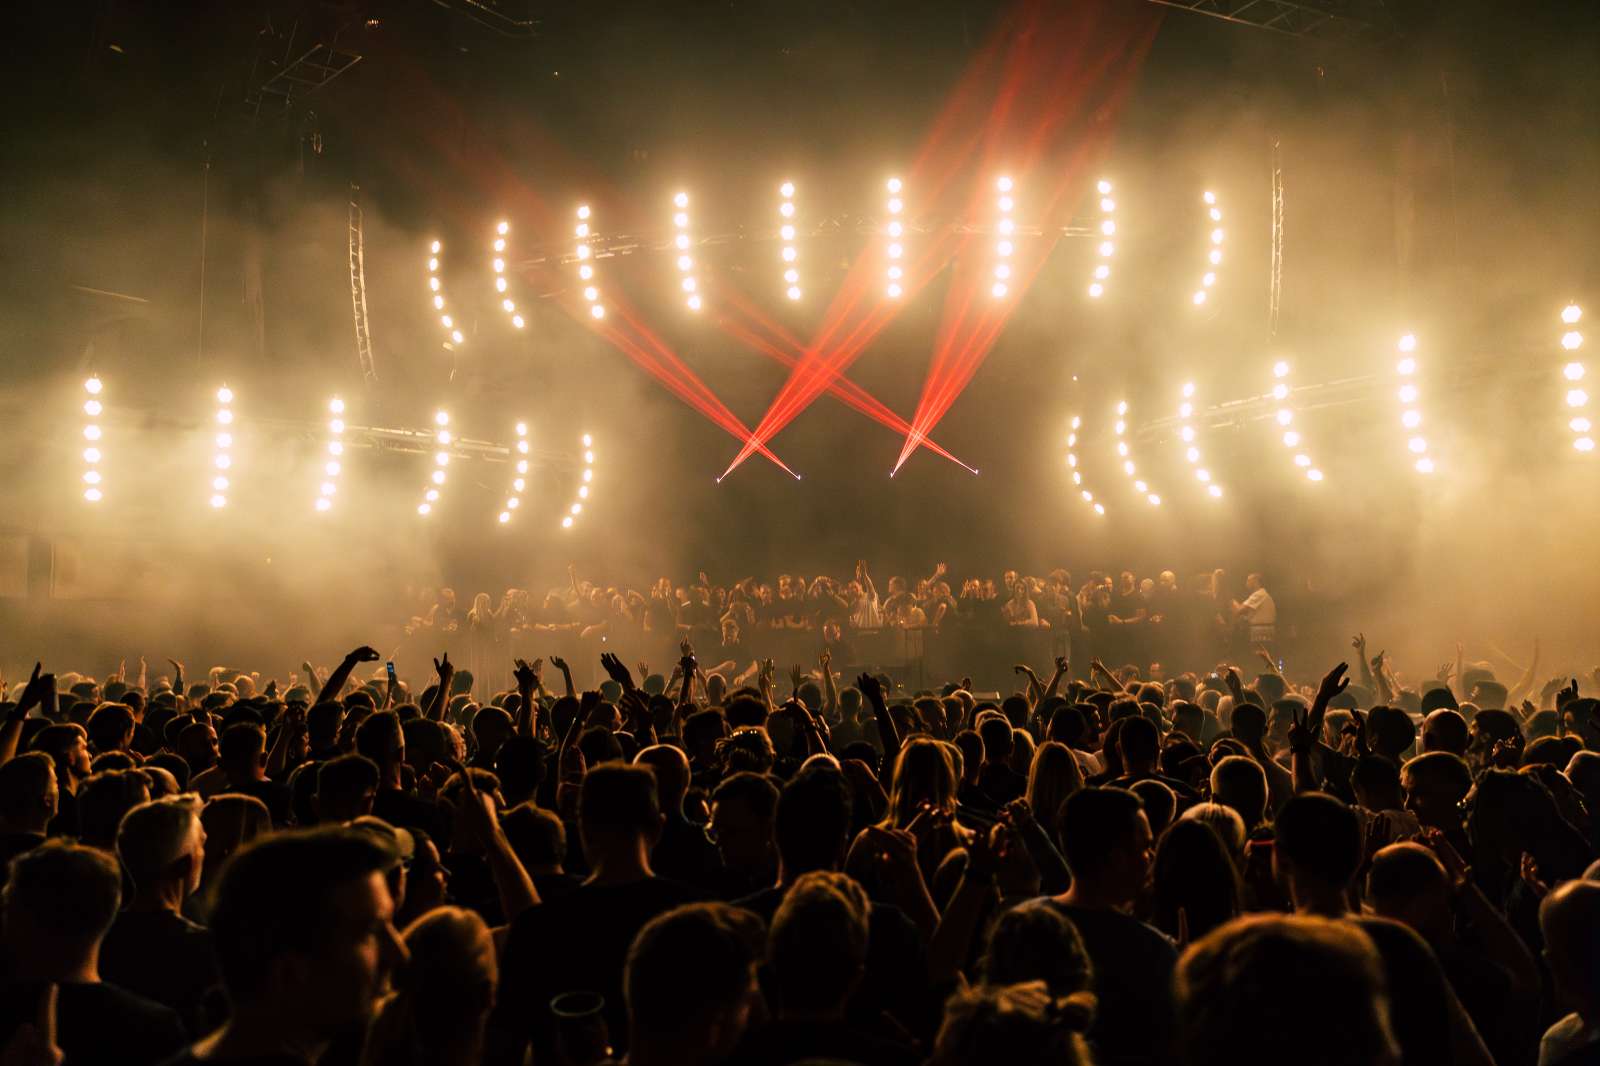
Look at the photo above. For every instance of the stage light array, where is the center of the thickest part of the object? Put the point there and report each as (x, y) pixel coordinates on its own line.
(1410, 409)
(1077, 474)
(93, 407)
(576, 508)
(507, 304)
(1005, 232)
(1214, 255)
(896, 250)
(680, 222)
(333, 465)
(222, 456)
(1189, 435)
(585, 254)
(519, 481)
(1124, 452)
(1108, 246)
(441, 460)
(1573, 373)
(452, 328)
(1284, 417)
(789, 253)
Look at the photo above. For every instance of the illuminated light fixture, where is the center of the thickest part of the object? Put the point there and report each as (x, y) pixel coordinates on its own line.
(680, 220)
(498, 263)
(1289, 437)
(222, 454)
(587, 479)
(895, 231)
(1130, 470)
(1573, 372)
(93, 408)
(788, 253)
(585, 254)
(519, 481)
(1214, 256)
(1189, 435)
(441, 460)
(1005, 227)
(436, 287)
(1108, 227)
(1072, 464)
(333, 463)
(1410, 411)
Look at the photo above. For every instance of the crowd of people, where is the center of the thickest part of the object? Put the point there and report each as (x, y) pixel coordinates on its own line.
(1119, 616)
(1221, 866)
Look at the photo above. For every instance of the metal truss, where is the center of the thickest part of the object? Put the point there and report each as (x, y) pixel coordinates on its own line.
(1323, 20)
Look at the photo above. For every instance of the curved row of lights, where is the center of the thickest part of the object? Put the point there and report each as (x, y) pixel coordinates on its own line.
(92, 435)
(585, 254)
(1214, 256)
(576, 508)
(441, 460)
(1077, 474)
(895, 273)
(333, 465)
(1108, 247)
(1410, 399)
(436, 290)
(519, 482)
(1285, 418)
(687, 280)
(1125, 454)
(1191, 448)
(222, 457)
(1573, 372)
(788, 253)
(1005, 227)
(507, 304)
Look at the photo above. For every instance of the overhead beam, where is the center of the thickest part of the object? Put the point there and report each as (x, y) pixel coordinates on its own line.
(1326, 20)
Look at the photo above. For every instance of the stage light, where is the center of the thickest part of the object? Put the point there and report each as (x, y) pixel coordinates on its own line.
(1571, 314)
(1573, 372)
(586, 480)
(1108, 226)
(1077, 475)
(498, 264)
(222, 457)
(591, 293)
(1189, 435)
(1284, 416)
(441, 459)
(788, 252)
(895, 230)
(92, 407)
(1572, 340)
(1410, 396)
(518, 483)
(680, 220)
(436, 286)
(1005, 225)
(1128, 467)
(1214, 256)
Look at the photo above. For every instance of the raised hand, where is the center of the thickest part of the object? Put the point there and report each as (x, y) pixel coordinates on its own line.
(617, 670)
(527, 675)
(825, 660)
(1528, 871)
(559, 663)
(1061, 664)
(644, 670)
(1301, 736)
(1357, 731)
(870, 688)
(362, 654)
(444, 668)
(1359, 643)
(795, 677)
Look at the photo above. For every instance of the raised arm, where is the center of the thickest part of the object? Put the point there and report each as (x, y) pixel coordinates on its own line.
(11, 732)
(566, 674)
(511, 880)
(434, 708)
(335, 684)
(1096, 667)
(527, 684)
(1055, 679)
(830, 691)
(1524, 686)
(888, 735)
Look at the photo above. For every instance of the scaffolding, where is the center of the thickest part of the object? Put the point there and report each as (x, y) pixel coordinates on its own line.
(1324, 20)
(358, 290)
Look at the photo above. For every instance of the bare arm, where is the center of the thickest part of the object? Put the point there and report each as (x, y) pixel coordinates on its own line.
(1524, 685)
(434, 710)
(888, 735)
(335, 684)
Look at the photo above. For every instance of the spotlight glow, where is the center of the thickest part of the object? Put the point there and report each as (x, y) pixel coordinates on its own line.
(1281, 393)
(436, 286)
(1108, 226)
(1128, 467)
(441, 458)
(1410, 412)
(587, 478)
(788, 253)
(1188, 434)
(518, 483)
(895, 230)
(92, 477)
(1208, 278)
(1077, 475)
(1005, 224)
(680, 220)
(498, 264)
(591, 293)
(221, 456)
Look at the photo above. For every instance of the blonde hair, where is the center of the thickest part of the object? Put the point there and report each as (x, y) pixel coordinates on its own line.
(923, 773)
(1053, 775)
(155, 835)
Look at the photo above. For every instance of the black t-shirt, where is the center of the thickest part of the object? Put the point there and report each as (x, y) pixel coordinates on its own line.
(98, 1023)
(188, 1059)
(779, 1043)
(274, 795)
(684, 853)
(895, 978)
(12, 845)
(1001, 783)
(1418, 991)
(401, 808)
(577, 942)
(166, 958)
(1133, 965)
